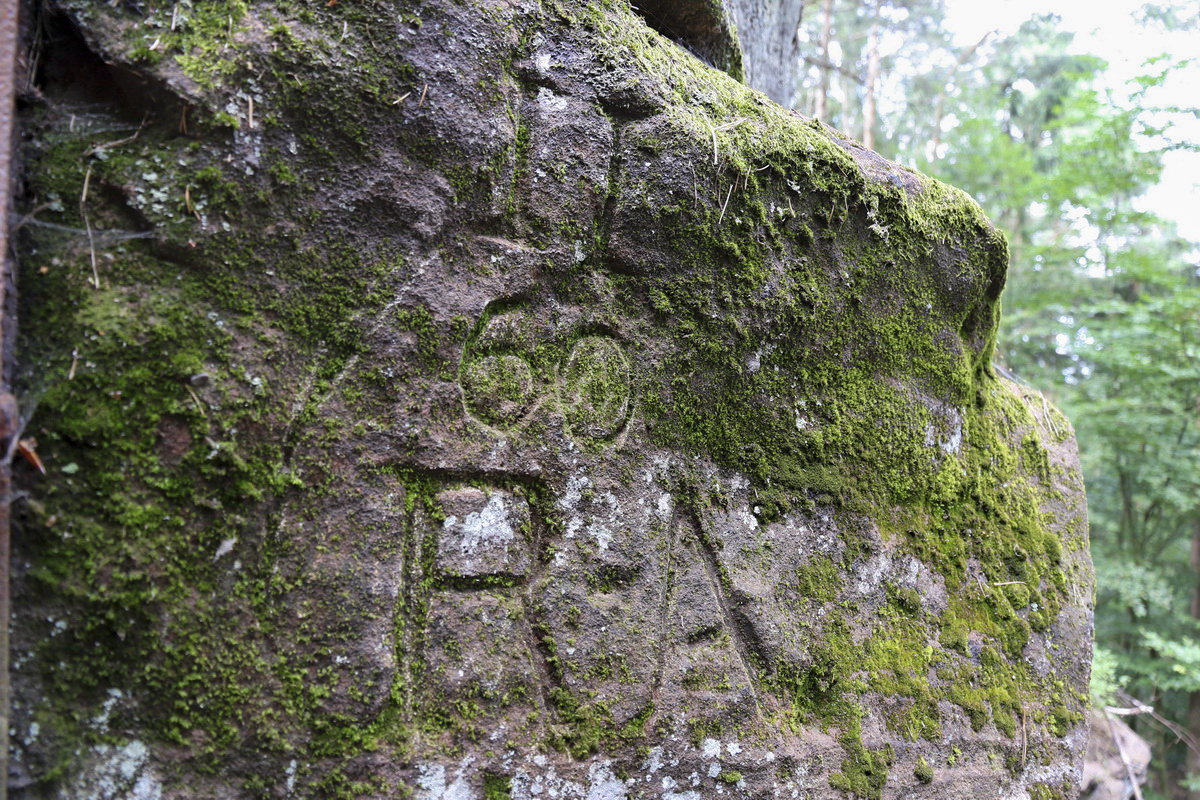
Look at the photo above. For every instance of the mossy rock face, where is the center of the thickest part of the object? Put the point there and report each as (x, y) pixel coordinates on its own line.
(490, 399)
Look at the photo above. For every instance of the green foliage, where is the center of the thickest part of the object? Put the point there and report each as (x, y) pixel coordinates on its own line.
(1106, 681)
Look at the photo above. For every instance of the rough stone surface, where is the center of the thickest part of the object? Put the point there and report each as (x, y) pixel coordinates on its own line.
(481, 400)
(1117, 758)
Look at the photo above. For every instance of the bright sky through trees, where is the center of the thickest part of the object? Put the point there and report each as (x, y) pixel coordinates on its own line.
(1109, 28)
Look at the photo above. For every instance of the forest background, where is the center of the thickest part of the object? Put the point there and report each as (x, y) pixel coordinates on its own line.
(1067, 151)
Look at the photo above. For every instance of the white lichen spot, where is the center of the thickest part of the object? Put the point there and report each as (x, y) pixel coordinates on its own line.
(950, 442)
(602, 535)
(225, 548)
(573, 492)
(550, 101)
(754, 362)
(603, 784)
(871, 576)
(484, 528)
(116, 772)
(100, 721)
(432, 784)
(653, 762)
(914, 571)
(664, 505)
(431, 780)
(712, 748)
(954, 442)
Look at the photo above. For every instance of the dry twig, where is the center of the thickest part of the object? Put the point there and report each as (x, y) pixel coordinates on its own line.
(725, 205)
(1133, 781)
(96, 148)
(87, 223)
(196, 400)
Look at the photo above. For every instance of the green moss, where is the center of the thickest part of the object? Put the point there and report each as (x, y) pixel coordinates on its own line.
(971, 701)
(595, 381)
(1035, 460)
(922, 771)
(1061, 719)
(954, 638)
(200, 44)
(1044, 791)
(700, 729)
(864, 772)
(176, 470)
(907, 600)
(587, 724)
(820, 688)
(732, 292)
(700, 678)
(819, 580)
(496, 787)
(125, 551)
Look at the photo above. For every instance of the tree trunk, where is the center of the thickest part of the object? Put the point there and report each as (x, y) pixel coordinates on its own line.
(939, 107)
(768, 30)
(822, 94)
(868, 137)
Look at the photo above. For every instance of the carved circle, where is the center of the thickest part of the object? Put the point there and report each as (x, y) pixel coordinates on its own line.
(498, 389)
(596, 388)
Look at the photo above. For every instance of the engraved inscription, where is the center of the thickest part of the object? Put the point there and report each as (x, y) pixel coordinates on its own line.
(596, 388)
(498, 389)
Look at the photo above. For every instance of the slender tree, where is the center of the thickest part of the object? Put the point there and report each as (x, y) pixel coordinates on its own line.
(821, 93)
